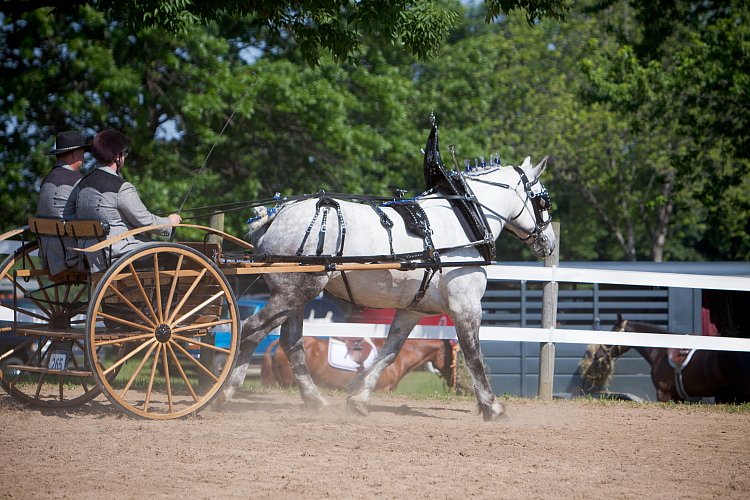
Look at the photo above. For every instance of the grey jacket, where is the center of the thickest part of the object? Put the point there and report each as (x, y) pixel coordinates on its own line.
(53, 197)
(103, 195)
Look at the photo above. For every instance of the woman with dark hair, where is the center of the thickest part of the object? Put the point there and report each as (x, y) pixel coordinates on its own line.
(104, 195)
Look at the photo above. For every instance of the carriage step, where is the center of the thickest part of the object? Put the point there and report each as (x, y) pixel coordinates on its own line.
(47, 371)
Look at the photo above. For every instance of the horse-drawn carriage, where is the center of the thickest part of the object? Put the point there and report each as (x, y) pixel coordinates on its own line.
(131, 332)
(139, 331)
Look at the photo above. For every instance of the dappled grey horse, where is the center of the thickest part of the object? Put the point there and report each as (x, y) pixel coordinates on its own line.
(509, 197)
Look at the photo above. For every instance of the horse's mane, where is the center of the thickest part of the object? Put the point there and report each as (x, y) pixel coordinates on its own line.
(641, 327)
(481, 171)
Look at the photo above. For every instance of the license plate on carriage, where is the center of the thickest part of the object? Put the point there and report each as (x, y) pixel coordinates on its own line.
(58, 360)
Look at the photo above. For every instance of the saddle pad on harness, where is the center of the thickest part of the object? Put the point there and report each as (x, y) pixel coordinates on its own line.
(415, 219)
(339, 357)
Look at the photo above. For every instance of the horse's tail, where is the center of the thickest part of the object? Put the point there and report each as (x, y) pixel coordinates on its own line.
(266, 369)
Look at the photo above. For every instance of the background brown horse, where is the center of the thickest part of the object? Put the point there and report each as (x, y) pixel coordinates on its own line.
(415, 353)
(723, 375)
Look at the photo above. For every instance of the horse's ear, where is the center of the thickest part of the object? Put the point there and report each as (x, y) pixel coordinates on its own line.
(619, 318)
(526, 163)
(537, 171)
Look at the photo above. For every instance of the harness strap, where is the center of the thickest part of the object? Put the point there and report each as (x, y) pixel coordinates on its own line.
(429, 272)
(678, 379)
(404, 258)
(358, 307)
(386, 222)
(308, 230)
(342, 227)
(322, 231)
(325, 202)
(432, 254)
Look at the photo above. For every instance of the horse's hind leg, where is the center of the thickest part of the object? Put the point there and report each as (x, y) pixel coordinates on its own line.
(361, 388)
(291, 341)
(287, 293)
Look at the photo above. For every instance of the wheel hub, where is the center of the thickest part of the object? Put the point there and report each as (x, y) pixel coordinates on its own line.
(163, 333)
(60, 320)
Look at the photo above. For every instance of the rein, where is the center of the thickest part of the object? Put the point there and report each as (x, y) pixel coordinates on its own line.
(540, 203)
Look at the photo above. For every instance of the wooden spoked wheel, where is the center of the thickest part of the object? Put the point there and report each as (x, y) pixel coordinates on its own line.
(49, 368)
(159, 305)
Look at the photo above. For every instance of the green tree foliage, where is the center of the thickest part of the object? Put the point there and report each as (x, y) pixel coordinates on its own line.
(650, 159)
(679, 69)
(335, 26)
(515, 89)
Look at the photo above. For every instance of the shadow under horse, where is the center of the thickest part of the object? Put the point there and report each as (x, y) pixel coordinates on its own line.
(680, 374)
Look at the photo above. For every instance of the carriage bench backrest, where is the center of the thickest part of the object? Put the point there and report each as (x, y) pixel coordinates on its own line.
(72, 228)
(67, 232)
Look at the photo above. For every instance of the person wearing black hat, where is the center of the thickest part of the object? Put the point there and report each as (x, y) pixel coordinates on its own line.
(104, 195)
(54, 194)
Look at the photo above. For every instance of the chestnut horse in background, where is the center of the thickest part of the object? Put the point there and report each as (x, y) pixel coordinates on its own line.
(415, 353)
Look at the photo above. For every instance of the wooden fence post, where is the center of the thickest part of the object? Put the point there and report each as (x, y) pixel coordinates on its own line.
(549, 320)
(207, 355)
(216, 222)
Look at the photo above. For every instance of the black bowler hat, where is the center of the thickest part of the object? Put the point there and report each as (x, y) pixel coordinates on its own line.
(68, 141)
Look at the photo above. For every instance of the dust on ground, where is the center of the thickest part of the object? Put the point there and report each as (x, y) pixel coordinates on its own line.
(267, 445)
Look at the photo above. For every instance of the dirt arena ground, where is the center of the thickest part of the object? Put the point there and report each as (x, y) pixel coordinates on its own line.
(266, 445)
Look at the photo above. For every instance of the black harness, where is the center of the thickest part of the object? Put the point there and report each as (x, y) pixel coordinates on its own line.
(442, 184)
(415, 220)
(461, 197)
(325, 202)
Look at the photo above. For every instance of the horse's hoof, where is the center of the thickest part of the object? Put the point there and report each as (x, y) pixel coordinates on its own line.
(224, 397)
(217, 404)
(359, 407)
(317, 404)
(495, 412)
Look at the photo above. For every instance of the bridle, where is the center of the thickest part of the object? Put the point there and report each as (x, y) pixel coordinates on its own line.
(609, 350)
(540, 204)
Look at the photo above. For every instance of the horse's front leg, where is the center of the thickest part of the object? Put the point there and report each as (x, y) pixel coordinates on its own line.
(467, 330)
(361, 388)
(291, 342)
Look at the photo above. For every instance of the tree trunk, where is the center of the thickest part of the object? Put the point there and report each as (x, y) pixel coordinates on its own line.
(663, 216)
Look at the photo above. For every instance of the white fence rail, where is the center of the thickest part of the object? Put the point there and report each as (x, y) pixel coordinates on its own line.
(562, 336)
(601, 276)
(554, 335)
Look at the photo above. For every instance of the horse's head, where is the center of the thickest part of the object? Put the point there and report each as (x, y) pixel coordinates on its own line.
(606, 353)
(598, 362)
(532, 224)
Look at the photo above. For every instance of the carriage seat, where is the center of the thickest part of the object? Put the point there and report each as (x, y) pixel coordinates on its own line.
(67, 233)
